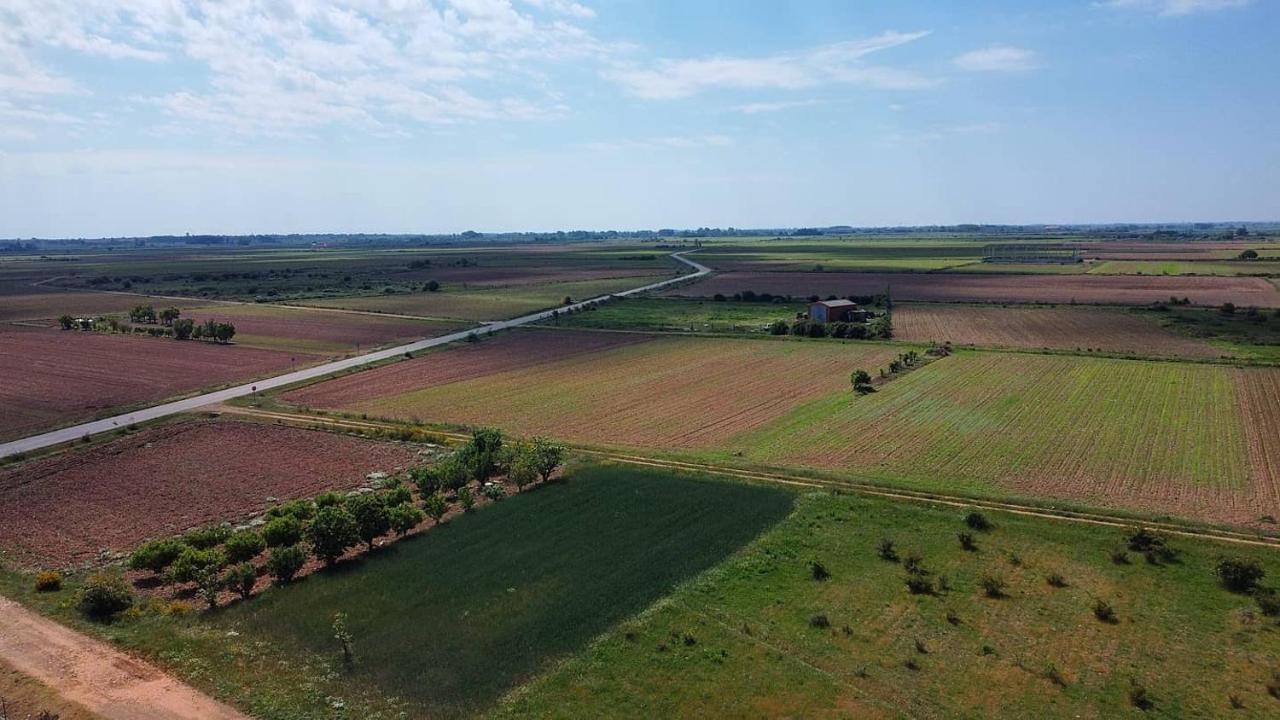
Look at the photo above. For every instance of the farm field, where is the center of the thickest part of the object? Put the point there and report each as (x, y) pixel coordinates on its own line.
(997, 288)
(655, 392)
(756, 653)
(1063, 327)
(1255, 336)
(450, 620)
(31, 304)
(317, 331)
(1185, 267)
(1165, 438)
(495, 303)
(666, 315)
(67, 509)
(55, 377)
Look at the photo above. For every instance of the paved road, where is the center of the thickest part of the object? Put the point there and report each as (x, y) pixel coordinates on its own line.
(75, 432)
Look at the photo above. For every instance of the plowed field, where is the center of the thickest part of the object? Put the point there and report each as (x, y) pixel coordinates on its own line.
(69, 507)
(315, 330)
(958, 287)
(53, 377)
(1060, 328)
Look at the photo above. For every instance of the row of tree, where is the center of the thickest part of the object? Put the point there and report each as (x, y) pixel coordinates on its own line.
(166, 323)
(879, 328)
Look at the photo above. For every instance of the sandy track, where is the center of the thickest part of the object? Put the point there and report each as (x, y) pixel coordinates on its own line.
(96, 676)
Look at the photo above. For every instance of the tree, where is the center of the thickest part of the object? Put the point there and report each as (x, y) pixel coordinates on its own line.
(1239, 575)
(483, 454)
(404, 518)
(223, 332)
(183, 328)
(244, 545)
(523, 470)
(103, 596)
(284, 562)
(432, 286)
(1227, 308)
(331, 533)
(169, 315)
(156, 555)
(436, 506)
(67, 322)
(547, 456)
(860, 378)
(778, 327)
(1249, 255)
(467, 500)
(143, 314)
(344, 638)
(282, 531)
(240, 579)
(370, 514)
(202, 567)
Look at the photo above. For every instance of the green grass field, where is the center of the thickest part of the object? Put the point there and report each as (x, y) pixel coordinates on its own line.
(451, 620)
(1184, 267)
(755, 653)
(676, 315)
(495, 303)
(1255, 337)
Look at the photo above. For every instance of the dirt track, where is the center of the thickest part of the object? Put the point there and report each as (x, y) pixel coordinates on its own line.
(96, 676)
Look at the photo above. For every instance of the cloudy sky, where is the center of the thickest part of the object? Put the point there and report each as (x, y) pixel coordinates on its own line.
(167, 116)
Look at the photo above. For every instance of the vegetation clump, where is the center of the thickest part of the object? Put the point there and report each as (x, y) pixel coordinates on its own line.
(1239, 575)
(48, 581)
(103, 596)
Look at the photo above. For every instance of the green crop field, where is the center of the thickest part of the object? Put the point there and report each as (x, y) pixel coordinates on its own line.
(1184, 267)
(490, 303)
(450, 620)
(740, 640)
(677, 315)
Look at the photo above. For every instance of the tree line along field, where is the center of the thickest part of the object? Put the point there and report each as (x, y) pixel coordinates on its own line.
(759, 636)
(647, 392)
(1157, 437)
(69, 508)
(995, 287)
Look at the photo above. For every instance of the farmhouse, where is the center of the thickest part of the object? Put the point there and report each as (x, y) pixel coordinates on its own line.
(837, 311)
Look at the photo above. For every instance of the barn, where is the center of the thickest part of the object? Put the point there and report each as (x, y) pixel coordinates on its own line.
(825, 311)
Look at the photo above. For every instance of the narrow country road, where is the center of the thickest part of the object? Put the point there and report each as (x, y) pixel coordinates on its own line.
(75, 432)
(96, 676)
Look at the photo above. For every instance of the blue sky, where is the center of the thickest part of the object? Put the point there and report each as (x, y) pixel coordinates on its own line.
(166, 116)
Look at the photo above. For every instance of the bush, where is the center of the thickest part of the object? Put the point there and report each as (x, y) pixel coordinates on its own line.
(778, 327)
(819, 571)
(1268, 601)
(301, 510)
(331, 533)
(1139, 698)
(103, 596)
(284, 562)
(1152, 545)
(977, 521)
(493, 491)
(370, 513)
(919, 585)
(967, 542)
(1056, 580)
(914, 564)
(1103, 611)
(207, 537)
(397, 496)
(886, 550)
(244, 545)
(1120, 557)
(156, 555)
(404, 518)
(202, 567)
(328, 500)
(436, 506)
(49, 581)
(282, 531)
(993, 586)
(240, 579)
(1239, 575)
(467, 500)
(819, 621)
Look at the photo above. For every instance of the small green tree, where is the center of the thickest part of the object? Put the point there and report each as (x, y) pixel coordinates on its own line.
(332, 533)
(466, 499)
(284, 562)
(344, 638)
(103, 596)
(547, 457)
(169, 315)
(244, 545)
(523, 469)
(1239, 575)
(240, 579)
(202, 567)
(282, 531)
(156, 555)
(67, 322)
(206, 537)
(370, 514)
(223, 332)
(432, 286)
(436, 506)
(404, 518)
(183, 328)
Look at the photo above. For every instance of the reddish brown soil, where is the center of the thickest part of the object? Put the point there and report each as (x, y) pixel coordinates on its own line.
(956, 287)
(338, 328)
(54, 376)
(520, 349)
(68, 508)
(28, 302)
(1162, 251)
(495, 276)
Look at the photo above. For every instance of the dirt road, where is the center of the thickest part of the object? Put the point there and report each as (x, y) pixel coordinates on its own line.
(96, 676)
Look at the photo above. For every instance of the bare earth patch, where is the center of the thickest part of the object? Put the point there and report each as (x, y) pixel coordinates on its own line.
(68, 508)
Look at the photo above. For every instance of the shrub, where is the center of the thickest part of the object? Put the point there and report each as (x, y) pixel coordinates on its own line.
(1239, 575)
(1053, 675)
(1268, 601)
(202, 567)
(914, 564)
(103, 596)
(240, 579)
(493, 491)
(886, 550)
(467, 499)
(977, 521)
(523, 471)
(993, 586)
(404, 518)
(1103, 611)
(921, 647)
(397, 496)
(967, 542)
(778, 327)
(1120, 557)
(1152, 545)
(284, 562)
(819, 621)
(911, 664)
(547, 457)
(819, 571)
(428, 478)
(49, 581)
(207, 537)
(1139, 698)
(302, 510)
(436, 506)
(919, 585)
(282, 531)
(331, 533)
(156, 555)
(370, 513)
(1056, 580)
(328, 500)
(244, 545)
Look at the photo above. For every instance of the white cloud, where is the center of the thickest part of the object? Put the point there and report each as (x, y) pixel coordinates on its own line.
(680, 142)
(837, 63)
(769, 107)
(1174, 8)
(997, 58)
(289, 67)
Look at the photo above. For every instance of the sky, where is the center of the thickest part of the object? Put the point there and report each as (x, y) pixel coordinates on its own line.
(140, 117)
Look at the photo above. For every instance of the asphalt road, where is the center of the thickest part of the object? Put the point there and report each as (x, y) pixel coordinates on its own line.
(75, 432)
